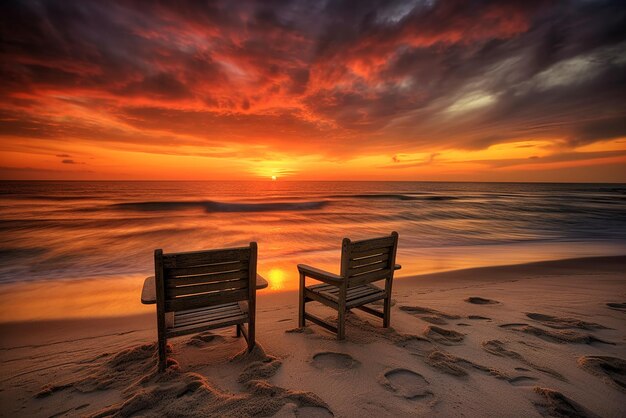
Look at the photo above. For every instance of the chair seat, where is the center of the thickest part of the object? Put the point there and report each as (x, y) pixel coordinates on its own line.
(208, 318)
(355, 296)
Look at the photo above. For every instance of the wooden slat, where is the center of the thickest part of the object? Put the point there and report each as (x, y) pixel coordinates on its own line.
(205, 288)
(369, 260)
(192, 302)
(332, 293)
(322, 287)
(215, 307)
(174, 332)
(368, 277)
(360, 292)
(206, 269)
(357, 255)
(326, 300)
(207, 313)
(365, 299)
(206, 278)
(208, 316)
(200, 258)
(368, 268)
(371, 244)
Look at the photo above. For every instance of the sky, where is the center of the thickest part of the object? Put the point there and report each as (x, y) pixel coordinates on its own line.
(421, 90)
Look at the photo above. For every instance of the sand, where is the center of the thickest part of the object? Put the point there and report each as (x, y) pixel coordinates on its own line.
(541, 339)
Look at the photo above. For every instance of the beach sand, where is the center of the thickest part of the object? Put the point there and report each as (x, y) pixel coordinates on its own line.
(541, 339)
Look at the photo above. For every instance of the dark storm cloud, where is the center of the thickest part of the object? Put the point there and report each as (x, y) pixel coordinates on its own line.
(399, 75)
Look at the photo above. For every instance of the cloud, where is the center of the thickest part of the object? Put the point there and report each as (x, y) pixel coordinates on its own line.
(302, 77)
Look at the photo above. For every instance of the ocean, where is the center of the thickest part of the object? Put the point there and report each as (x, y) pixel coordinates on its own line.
(68, 230)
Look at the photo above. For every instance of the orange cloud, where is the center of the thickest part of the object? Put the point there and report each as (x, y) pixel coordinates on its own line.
(311, 91)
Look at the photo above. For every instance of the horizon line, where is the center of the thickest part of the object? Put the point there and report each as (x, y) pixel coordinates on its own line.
(315, 181)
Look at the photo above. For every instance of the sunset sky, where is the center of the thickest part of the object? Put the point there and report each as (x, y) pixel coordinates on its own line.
(313, 90)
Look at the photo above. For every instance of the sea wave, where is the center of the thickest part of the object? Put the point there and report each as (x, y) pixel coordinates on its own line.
(395, 196)
(214, 206)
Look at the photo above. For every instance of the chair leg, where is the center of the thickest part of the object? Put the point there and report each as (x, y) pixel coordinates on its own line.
(162, 354)
(341, 325)
(251, 336)
(238, 332)
(387, 312)
(301, 306)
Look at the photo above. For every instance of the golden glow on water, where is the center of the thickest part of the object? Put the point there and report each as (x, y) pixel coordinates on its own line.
(66, 299)
(277, 279)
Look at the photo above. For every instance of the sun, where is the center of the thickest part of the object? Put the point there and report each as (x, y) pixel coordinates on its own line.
(274, 178)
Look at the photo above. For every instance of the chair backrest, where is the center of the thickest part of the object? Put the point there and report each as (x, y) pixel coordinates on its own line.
(205, 278)
(368, 260)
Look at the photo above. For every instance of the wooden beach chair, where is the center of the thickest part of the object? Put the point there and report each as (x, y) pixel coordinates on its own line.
(203, 290)
(362, 263)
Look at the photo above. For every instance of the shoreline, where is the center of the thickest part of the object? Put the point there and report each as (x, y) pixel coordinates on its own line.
(102, 297)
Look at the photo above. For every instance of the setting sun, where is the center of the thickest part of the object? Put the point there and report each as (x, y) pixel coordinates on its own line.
(273, 177)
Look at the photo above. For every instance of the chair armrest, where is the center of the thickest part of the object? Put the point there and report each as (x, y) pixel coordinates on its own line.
(397, 266)
(321, 275)
(148, 293)
(261, 283)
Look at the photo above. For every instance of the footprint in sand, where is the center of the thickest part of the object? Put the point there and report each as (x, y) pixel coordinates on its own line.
(434, 320)
(429, 315)
(415, 345)
(478, 318)
(611, 369)
(332, 360)
(456, 366)
(497, 348)
(450, 364)
(560, 336)
(617, 306)
(481, 301)
(443, 336)
(554, 404)
(563, 322)
(406, 383)
(522, 380)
